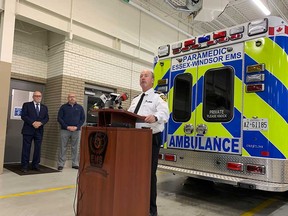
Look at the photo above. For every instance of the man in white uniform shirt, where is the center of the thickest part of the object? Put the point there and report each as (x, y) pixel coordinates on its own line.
(154, 107)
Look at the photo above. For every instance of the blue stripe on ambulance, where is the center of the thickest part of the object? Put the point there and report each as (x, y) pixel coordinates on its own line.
(237, 65)
(276, 88)
(199, 83)
(233, 126)
(282, 41)
(260, 143)
(173, 126)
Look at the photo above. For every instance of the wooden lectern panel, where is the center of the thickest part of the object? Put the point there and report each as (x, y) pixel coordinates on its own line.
(116, 183)
(117, 118)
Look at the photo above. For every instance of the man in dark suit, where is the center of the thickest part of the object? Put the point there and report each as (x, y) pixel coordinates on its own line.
(35, 116)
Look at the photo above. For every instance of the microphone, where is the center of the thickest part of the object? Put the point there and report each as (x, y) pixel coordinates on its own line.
(121, 98)
(103, 98)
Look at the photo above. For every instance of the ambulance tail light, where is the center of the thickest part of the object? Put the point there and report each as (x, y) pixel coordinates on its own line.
(255, 78)
(254, 88)
(257, 169)
(170, 157)
(161, 156)
(255, 68)
(219, 35)
(235, 166)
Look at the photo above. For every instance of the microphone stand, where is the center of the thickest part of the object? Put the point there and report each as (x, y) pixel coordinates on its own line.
(120, 105)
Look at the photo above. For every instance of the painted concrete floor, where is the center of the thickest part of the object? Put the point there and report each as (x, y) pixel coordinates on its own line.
(54, 195)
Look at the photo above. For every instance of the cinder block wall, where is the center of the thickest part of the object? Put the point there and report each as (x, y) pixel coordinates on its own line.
(57, 89)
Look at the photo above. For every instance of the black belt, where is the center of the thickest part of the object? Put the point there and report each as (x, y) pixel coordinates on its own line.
(157, 134)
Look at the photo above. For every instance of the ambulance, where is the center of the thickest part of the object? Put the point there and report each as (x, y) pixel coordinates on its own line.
(228, 102)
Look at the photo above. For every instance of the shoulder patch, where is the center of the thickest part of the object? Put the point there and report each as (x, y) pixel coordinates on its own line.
(163, 97)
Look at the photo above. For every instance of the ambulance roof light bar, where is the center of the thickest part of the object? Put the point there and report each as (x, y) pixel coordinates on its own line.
(204, 39)
(164, 51)
(219, 35)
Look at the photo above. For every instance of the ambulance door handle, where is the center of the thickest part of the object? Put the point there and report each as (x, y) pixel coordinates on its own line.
(188, 128)
(201, 129)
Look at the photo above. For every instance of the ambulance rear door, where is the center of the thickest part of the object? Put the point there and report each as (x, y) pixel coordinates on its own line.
(182, 101)
(218, 112)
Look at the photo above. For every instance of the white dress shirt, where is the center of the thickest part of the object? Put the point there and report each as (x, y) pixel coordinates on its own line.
(152, 104)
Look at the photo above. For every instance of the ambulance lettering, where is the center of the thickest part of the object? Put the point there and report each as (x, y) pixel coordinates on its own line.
(206, 57)
(215, 144)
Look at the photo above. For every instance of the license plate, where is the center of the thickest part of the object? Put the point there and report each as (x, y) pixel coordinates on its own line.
(255, 124)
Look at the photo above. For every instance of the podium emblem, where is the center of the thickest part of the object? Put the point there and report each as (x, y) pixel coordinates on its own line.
(98, 142)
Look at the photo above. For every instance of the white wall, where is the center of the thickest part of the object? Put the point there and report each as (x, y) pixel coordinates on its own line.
(95, 64)
(110, 23)
(30, 54)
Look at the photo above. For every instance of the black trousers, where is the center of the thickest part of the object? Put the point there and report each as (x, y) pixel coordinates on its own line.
(156, 143)
(26, 148)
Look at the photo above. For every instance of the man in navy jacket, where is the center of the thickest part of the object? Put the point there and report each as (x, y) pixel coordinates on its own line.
(35, 116)
(71, 117)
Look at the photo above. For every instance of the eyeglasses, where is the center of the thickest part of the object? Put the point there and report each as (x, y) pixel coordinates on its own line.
(37, 95)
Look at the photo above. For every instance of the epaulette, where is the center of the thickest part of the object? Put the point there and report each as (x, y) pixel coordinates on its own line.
(158, 92)
(136, 96)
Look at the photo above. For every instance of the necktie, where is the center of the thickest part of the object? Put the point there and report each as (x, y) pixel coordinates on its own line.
(139, 104)
(37, 109)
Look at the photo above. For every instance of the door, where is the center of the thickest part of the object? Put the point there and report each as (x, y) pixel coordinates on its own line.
(218, 126)
(207, 100)
(20, 92)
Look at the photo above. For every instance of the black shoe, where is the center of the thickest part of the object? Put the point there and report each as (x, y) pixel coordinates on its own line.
(153, 214)
(24, 170)
(75, 167)
(36, 169)
(60, 168)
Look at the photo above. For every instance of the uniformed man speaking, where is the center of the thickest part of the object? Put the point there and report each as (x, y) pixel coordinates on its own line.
(154, 107)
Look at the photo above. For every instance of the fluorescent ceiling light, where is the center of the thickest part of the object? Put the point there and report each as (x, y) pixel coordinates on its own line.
(263, 8)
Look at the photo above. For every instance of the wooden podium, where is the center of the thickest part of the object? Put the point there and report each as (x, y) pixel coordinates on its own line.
(115, 164)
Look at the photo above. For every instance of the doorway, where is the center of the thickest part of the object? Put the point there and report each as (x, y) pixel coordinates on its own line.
(92, 96)
(20, 92)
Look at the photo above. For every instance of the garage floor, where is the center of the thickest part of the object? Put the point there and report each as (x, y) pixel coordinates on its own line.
(54, 195)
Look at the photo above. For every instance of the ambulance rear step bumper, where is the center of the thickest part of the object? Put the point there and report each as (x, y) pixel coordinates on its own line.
(235, 181)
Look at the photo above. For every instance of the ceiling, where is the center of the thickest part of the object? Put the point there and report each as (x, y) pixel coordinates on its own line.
(236, 12)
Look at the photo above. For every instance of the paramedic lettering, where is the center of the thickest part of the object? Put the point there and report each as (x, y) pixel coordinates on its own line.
(206, 57)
